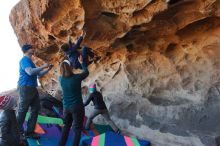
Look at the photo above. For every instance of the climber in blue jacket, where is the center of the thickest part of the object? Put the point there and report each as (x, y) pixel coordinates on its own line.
(72, 51)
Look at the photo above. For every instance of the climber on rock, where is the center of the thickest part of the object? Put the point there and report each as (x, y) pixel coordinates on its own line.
(99, 108)
(73, 51)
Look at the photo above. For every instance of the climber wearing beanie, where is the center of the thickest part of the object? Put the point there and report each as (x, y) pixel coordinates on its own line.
(72, 51)
(9, 132)
(27, 88)
(99, 108)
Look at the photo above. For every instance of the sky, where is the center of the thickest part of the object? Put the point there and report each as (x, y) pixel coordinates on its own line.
(10, 52)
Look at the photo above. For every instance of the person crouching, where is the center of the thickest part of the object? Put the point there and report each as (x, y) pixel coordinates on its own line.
(99, 108)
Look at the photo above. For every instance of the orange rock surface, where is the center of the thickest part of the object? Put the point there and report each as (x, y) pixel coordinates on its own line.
(160, 61)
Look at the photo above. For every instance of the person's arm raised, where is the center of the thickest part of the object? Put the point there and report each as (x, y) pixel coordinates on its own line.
(74, 47)
(85, 71)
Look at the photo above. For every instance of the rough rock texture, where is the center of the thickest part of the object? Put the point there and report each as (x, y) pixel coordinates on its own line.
(160, 62)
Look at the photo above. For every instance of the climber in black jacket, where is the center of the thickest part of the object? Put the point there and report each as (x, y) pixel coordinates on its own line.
(99, 108)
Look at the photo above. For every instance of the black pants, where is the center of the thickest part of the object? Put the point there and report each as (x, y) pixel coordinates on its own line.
(105, 114)
(72, 117)
(29, 97)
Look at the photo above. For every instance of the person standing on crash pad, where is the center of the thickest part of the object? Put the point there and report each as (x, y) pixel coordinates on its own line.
(27, 88)
(72, 101)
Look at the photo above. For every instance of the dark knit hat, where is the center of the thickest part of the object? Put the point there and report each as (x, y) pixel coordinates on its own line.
(7, 102)
(26, 47)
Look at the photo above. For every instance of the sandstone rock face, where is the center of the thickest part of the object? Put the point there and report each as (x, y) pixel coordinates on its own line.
(160, 66)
